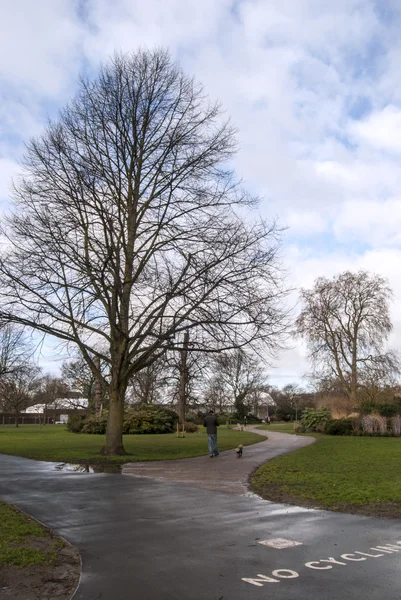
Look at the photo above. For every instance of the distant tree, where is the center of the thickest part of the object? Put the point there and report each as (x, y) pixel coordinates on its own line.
(129, 228)
(15, 349)
(51, 392)
(148, 386)
(345, 322)
(216, 394)
(241, 374)
(290, 400)
(78, 376)
(17, 389)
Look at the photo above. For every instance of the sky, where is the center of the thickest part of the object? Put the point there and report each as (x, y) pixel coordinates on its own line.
(313, 87)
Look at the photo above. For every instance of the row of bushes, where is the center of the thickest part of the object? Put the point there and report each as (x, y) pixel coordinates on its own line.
(144, 419)
(368, 425)
(384, 410)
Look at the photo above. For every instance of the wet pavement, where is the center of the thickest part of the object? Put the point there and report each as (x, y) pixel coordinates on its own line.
(158, 540)
(224, 473)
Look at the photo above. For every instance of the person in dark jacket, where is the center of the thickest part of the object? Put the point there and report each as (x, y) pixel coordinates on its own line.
(211, 423)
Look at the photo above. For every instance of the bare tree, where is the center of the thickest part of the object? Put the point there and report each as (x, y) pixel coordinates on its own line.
(50, 391)
(149, 385)
(79, 377)
(346, 322)
(125, 229)
(15, 349)
(17, 389)
(241, 374)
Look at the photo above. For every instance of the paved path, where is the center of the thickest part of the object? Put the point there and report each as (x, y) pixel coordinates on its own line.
(225, 473)
(155, 540)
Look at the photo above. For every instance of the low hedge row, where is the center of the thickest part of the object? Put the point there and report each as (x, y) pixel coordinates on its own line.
(144, 419)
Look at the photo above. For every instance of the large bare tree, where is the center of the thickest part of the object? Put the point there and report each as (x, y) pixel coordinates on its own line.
(346, 321)
(126, 228)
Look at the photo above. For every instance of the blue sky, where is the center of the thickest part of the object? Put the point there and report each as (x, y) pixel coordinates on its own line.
(312, 86)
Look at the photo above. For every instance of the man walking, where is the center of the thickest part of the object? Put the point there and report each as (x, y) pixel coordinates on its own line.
(211, 423)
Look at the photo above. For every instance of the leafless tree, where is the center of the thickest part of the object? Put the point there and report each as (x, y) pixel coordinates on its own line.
(78, 376)
(148, 386)
(346, 322)
(50, 391)
(15, 349)
(241, 374)
(18, 387)
(127, 230)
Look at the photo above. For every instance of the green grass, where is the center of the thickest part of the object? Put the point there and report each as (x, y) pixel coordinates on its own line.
(55, 443)
(282, 427)
(339, 473)
(17, 530)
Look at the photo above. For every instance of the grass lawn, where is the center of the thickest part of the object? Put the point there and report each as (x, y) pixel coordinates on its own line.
(32, 559)
(55, 443)
(17, 533)
(349, 474)
(283, 427)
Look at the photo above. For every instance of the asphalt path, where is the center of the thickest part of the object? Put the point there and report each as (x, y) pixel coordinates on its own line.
(226, 473)
(142, 538)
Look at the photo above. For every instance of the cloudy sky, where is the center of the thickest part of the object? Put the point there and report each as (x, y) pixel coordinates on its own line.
(312, 85)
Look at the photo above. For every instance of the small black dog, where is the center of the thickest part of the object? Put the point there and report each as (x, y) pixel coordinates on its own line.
(239, 451)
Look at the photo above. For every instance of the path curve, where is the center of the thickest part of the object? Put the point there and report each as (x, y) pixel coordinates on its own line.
(225, 473)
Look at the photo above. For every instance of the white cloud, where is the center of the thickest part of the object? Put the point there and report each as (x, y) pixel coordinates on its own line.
(381, 129)
(293, 74)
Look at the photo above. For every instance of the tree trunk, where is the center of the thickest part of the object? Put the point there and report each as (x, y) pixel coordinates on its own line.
(354, 370)
(114, 434)
(16, 418)
(183, 379)
(98, 389)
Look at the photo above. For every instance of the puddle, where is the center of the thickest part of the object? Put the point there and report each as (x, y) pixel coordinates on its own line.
(71, 468)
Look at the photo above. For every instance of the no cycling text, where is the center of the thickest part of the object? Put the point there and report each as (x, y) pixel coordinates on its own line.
(324, 564)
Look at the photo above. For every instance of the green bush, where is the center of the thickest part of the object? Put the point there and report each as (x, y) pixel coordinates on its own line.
(315, 420)
(388, 410)
(385, 410)
(191, 427)
(339, 427)
(148, 418)
(95, 424)
(285, 414)
(75, 423)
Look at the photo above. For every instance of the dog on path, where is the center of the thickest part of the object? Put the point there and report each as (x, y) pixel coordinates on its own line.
(239, 451)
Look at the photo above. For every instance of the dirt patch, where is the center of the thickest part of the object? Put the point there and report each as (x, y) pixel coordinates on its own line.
(57, 581)
(385, 510)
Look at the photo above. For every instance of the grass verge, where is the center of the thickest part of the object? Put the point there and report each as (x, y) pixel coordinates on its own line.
(345, 474)
(55, 443)
(34, 563)
(18, 532)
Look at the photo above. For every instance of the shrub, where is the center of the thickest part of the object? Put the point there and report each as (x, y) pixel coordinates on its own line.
(339, 427)
(95, 424)
(149, 418)
(388, 410)
(374, 424)
(75, 423)
(396, 425)
(191, 427)
(315, 420)
(283, 414)
(384, 410)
